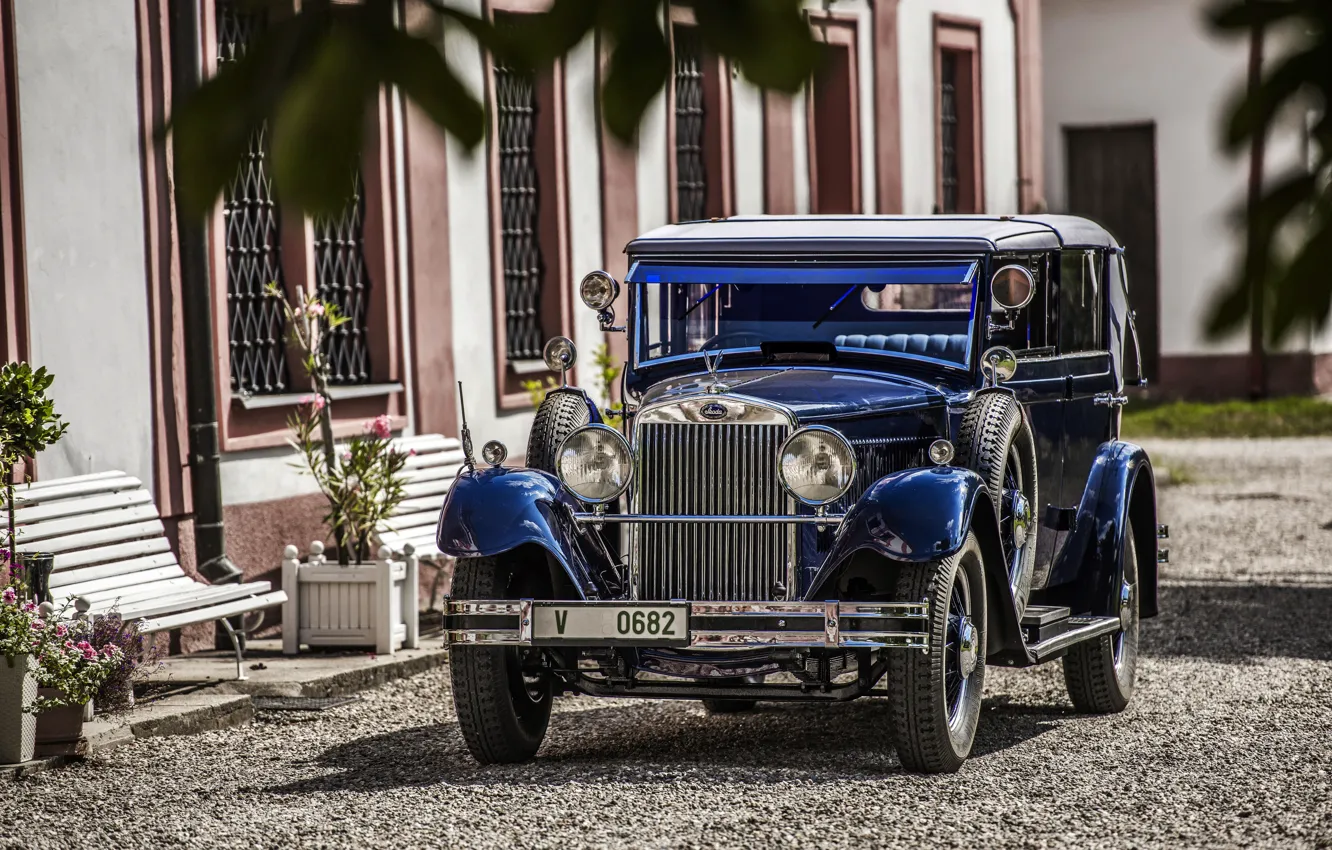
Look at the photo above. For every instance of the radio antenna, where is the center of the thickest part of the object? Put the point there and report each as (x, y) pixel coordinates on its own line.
(466, 433)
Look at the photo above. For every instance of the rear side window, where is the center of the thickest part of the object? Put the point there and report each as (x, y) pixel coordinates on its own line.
(1081, 325)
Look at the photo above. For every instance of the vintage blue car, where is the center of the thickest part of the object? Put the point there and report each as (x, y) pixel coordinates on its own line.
(857, 456)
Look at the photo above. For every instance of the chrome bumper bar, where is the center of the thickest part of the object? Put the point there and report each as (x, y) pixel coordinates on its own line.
(669, 519)
(715, 625)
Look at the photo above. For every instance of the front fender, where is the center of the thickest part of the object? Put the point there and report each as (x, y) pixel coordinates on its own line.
(1121, 486)
(496, 510)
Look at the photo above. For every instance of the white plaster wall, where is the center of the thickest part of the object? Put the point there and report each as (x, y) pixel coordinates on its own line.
(747, 145)
(915, 42)
(653, 201)
(1136, 61)
(800, 151)
(84, 229)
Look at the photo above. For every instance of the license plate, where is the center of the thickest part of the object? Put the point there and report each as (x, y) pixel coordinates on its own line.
(599, 624)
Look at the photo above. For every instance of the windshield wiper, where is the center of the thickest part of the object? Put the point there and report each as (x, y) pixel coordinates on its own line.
(836, 304)
(711, 293)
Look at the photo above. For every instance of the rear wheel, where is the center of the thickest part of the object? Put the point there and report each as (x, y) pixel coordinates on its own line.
(1101, 673)
(558, 416)
(502, 694)
(936, 695)
(995, 441)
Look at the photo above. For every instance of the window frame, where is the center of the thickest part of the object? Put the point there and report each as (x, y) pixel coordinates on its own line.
(509, 394)
(964, 36)
(260, 421)
(1093, 260)
(717, 145)
(840, 31)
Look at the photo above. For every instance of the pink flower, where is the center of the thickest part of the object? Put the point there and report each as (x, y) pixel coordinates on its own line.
(29, 607)
(411, 452)
(38, 625)
(90, 653)
(9, 597)
(318, 402)
(61, 631)
(380, 426)
(83, 645)
(316, 308)
(109, 650)
(69, 644)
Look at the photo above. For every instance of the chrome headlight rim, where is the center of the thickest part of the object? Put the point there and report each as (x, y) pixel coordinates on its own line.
(588, 285)
(836, 436)
(624, 446)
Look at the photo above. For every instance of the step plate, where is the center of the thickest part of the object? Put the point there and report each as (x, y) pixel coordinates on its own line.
(1078, 630)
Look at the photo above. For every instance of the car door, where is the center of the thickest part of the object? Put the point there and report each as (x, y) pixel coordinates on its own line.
(1092, 387)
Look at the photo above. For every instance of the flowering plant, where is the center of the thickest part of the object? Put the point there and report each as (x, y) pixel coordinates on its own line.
(362, 482)
(22, 629)
(70, 663)
(136, 659)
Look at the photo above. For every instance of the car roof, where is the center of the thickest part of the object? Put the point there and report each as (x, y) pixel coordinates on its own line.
(810, 234)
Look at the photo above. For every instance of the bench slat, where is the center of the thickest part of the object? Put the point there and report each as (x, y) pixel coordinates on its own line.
(61, 489)
(434, 473)
(106, 554)
(426, 442)
(74, 507)
(417, 520)
(110, 598)
(116, 568)
(129, 580)
(215, 612)
(87, 522)
(196, 597)
(97, 537)
(428, 488)
(74, 479)
(417, 462)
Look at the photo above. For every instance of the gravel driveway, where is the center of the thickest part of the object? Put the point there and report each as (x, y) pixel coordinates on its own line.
(1226, 743)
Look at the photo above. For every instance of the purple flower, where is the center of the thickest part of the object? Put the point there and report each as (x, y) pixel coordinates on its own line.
(9, 597)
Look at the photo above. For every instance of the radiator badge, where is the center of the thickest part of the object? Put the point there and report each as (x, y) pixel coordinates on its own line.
(712, 410)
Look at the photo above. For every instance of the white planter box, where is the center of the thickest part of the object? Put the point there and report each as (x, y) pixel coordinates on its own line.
(372, 604)
(18, 729)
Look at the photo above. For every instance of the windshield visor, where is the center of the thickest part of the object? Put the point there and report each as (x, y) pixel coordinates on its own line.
(919, 310)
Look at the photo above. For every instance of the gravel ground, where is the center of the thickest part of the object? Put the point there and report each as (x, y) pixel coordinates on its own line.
(1226, 742)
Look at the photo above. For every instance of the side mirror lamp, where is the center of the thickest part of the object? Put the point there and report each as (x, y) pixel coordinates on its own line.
(998, 365)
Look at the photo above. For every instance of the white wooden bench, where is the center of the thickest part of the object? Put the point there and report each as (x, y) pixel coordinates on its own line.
(112, 555)
(429, 475)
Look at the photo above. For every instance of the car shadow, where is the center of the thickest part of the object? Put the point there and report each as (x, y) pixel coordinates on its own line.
(657, 743)
(1236, 622)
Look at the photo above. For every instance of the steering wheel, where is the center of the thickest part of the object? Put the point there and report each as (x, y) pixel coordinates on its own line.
(741, 339)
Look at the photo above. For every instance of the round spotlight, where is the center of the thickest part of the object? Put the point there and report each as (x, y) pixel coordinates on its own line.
(816, 465)
(598, 290)
(560, 354)
(941, 452)
(594, 463)
(494, 452)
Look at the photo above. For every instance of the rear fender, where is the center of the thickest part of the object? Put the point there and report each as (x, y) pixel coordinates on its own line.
(918, 517)
(1121, 486)
(492, 511)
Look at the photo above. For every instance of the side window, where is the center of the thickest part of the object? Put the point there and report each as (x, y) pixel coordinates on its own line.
(1080, 320)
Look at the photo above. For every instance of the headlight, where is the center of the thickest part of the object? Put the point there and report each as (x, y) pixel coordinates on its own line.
(816, 465)
(594, 463)
(598, 290)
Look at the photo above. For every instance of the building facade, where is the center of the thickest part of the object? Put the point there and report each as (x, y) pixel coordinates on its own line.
(453, 265)
(1136, 93)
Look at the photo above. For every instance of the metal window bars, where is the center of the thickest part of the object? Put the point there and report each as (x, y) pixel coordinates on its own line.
(691, 177)
(949, 176)
(523, 266)
(256, 322)
(342, 278)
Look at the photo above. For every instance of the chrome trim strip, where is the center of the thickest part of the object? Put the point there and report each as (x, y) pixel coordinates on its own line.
(1089, 627)
(597, 519)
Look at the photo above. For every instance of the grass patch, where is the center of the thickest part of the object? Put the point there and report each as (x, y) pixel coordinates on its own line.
(1295, 416)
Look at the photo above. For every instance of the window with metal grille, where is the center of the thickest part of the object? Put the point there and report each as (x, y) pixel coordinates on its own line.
(253, 249)
(948, 136)
(517, 114)
(341, 278)
(691, 176)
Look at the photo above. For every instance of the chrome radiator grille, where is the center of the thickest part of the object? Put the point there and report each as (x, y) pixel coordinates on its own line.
(711, 469)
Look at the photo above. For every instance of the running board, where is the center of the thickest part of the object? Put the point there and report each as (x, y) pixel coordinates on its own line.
(1079, 629)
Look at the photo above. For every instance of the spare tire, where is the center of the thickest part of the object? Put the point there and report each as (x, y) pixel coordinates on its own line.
(995, 441)
(559, 415)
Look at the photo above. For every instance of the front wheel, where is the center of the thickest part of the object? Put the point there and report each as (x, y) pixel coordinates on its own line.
(1101, 673)
(502, 694)
(936, 695)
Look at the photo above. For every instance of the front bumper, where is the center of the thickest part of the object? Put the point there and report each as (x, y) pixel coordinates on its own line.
(714, 625)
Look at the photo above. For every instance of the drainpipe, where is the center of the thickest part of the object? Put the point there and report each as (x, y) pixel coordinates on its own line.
(201, 376)
(1256, 264)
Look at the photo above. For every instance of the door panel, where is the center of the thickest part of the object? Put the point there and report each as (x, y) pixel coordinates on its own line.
(1040, 384)
(1112, 180)
(1086, 424)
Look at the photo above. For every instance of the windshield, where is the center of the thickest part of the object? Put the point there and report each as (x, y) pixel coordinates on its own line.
(920, 309)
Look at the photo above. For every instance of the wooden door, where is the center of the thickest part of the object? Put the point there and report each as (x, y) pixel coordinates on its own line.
(1112, 180)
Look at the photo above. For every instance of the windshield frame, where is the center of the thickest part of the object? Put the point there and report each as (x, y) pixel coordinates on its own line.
(637, 331)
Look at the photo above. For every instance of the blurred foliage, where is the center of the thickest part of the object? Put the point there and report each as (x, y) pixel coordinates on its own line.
(1289, 249)
(536, 390)
(1295, 416)
(313, 75)
(608, 369)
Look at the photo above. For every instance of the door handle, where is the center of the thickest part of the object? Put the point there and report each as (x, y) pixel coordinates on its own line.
(1110, 399)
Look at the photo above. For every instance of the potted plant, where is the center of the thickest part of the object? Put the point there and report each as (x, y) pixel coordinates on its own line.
(138, 657)
(22, 632)
(28, 424)
(70, 669)
(368, 598)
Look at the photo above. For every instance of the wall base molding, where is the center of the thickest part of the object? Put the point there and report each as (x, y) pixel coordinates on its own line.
(1226, 376)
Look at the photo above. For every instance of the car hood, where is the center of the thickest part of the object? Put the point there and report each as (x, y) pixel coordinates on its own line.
(811, 392)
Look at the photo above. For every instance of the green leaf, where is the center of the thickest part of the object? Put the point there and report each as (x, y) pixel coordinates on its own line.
(419, 69)
(639, 65)
(770, 40)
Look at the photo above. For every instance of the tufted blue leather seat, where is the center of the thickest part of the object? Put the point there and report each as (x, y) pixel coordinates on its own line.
(942, 346)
